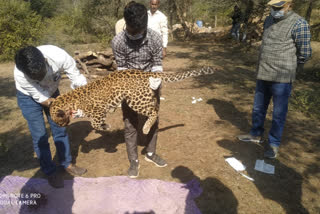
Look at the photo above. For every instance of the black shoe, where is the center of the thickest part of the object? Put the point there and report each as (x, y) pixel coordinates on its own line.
(55, 180)
(271, 151)
(75, 170)
(133, 170)
(250, 138)
(156, 159)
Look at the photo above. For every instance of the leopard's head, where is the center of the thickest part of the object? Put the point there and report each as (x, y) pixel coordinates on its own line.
(61, 115)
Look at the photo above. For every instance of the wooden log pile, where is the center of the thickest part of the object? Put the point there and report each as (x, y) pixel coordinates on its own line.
(95, 62)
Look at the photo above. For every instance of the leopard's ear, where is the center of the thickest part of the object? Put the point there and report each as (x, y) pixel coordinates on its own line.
(61, 113)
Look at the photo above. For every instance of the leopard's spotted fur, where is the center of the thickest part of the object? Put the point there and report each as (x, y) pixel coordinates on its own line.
(105, 95)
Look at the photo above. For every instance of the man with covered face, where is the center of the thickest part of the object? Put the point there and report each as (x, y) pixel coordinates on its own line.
(284, 50)
(138, 47)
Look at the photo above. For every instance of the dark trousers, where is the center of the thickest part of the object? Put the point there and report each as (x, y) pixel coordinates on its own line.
(133, 124)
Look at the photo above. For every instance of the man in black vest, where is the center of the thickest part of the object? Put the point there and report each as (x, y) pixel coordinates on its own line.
(284, 50)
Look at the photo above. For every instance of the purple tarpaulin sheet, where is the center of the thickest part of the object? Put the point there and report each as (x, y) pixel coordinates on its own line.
(101, 195)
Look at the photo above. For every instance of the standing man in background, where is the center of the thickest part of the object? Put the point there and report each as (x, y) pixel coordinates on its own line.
(236, 23)
(158, 22)
(120, 25)
(284, 50)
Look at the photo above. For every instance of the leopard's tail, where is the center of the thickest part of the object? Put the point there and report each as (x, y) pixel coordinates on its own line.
(174, 77)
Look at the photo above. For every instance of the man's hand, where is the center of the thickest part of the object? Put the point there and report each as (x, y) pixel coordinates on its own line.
(154, 83)
(47, 102)
(300, 67)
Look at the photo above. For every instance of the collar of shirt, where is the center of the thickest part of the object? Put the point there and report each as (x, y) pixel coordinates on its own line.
(50, 80)
(155, 13)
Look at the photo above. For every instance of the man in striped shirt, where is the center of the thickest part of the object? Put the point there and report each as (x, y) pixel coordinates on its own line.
(284, 50)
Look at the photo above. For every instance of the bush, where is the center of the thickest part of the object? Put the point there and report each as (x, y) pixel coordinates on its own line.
(19, 26)
(45, 8)
(307, 101)
(315, 32)
(79, 24)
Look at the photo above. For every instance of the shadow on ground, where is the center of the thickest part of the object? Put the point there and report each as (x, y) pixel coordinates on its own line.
(19, 152)
(108, 140)
(284, 187)
(228, 112)
(7, 86)
(45, 201)
(215, 198)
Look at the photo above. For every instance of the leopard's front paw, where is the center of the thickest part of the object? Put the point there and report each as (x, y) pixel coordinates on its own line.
(105, 127)
(102, 127)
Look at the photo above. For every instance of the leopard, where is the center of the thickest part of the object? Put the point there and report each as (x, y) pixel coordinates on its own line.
(105, 95)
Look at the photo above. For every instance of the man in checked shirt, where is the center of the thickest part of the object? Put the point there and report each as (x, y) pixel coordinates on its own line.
(284, 50)
(138, 47)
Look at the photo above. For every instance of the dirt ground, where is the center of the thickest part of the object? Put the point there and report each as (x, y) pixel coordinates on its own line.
(195, 138)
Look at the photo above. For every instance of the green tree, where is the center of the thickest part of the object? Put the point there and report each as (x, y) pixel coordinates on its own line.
(19, 26)
(46, 8)
(101, 16)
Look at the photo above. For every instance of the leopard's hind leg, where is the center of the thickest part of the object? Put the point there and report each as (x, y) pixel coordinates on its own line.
(147, 107)
(152, 118)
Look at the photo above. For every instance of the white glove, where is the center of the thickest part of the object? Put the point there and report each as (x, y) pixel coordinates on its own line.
(80, 81)
(154, 83)
(77, 114)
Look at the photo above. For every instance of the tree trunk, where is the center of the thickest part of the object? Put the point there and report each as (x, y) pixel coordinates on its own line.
(181, 10)
(309, 11)
(116, 12)
(215, 20)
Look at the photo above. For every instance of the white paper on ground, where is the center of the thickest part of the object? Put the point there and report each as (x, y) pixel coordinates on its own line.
(195, 100)
(162, 98)
(264, 167)
(238, 166)
(249, 178)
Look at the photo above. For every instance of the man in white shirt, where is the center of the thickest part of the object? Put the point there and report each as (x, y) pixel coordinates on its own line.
(120, 25)
(37, 75)
(158, 22)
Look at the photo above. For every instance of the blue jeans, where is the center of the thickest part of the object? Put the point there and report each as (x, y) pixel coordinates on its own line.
(33, 113)
(280, 93)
